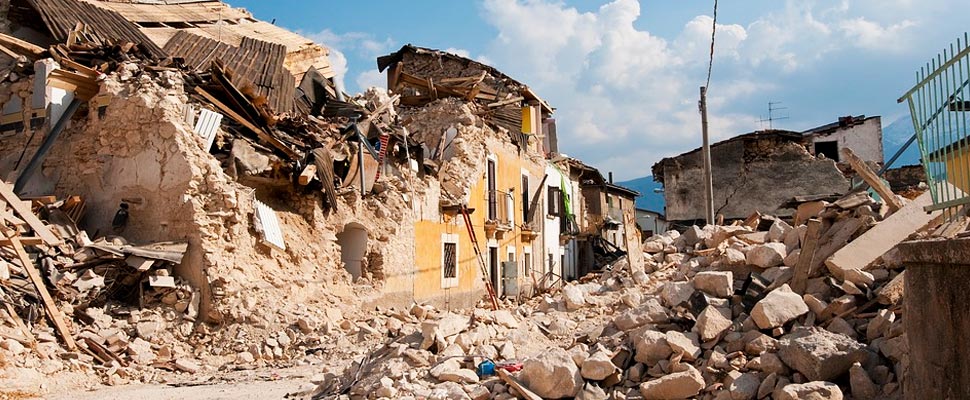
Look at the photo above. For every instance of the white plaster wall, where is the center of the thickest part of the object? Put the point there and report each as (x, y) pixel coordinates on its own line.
(864, 139)
(550, 228)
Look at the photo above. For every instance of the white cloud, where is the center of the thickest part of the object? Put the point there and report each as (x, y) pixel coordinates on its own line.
(628, 97)
(362, 44)
(371, 78)
(458, 52)
(871, 35)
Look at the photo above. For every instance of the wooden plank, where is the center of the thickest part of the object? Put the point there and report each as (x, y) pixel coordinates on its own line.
(873, 180)
(26, 241)
(308, 174)
(246, 123)
(27, 215)
(883, 237)
(803, 267)
(518, 386)
(52, 311)
(30, 50)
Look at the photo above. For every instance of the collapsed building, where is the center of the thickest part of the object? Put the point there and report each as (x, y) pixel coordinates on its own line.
(188, 164)
(770, 171)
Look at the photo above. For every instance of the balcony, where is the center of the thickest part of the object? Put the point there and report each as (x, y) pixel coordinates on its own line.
(500, 211)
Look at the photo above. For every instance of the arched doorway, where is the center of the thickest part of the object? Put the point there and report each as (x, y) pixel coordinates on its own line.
(353, 246)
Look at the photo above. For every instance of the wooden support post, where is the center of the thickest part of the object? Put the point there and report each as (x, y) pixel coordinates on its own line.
(706, 152)
(27, 215)
(803, 268)
(308, 174)
(873, 180)
(52, 311)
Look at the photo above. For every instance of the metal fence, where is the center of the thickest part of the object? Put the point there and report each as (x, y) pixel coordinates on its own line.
(939, 111)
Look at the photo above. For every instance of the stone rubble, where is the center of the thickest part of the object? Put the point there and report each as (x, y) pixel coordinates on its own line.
(701, 324)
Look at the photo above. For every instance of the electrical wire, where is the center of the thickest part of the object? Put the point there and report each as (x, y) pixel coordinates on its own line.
(710, 64)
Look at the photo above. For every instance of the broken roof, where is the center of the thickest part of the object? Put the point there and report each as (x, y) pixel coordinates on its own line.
(657, 169)
(384, 62)
(842, 123)
(162, 20)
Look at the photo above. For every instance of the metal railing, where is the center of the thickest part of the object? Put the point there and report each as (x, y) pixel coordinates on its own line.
(939, 105)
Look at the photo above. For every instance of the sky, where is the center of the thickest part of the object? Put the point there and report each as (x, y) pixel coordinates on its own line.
(624, 75)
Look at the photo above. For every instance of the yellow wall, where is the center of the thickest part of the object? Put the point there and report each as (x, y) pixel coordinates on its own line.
(958, 169)
(428, 235)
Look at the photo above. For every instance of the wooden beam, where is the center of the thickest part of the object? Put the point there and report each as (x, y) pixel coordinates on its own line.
(28, 216)
(308, 174)
(260, 132)
(52, 311)
(26, 241)
(25, 48)
(873, 180)
(518, 386)
(803, 267)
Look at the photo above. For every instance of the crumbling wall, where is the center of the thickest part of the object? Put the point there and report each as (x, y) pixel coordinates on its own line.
(749, 176)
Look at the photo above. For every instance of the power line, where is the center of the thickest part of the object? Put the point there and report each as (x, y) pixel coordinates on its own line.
(710, 64)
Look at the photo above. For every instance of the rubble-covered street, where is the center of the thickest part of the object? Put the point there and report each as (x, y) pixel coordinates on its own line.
(191, 206)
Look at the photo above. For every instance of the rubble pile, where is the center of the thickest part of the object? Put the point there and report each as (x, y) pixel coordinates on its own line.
(713, 316)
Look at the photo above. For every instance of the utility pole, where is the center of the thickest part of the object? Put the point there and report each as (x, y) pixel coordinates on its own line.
(706, 151)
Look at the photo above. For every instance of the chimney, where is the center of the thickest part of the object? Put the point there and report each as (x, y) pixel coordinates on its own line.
(611, 177)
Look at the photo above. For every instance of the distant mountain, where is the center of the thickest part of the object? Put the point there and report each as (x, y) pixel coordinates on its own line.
(648, 199)
(894, 136)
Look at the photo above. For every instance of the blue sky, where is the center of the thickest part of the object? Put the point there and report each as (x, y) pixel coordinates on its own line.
(624, 75)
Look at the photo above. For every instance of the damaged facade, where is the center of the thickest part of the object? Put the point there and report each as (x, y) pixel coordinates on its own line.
(766, 171)
(198, 178)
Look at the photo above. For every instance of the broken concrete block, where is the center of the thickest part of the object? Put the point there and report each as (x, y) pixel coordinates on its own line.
(675, 293)
(862, 386)
(839, 325)
(767, 255)
(745, 387)
(552, 374)
(715, 283)
(649, 312)
(505, 318)
(711, 323)
(819, 354)
(187, 365)
(678, 385)
(868, 247)
(598, 366)
(879, 325)
(695, 235)
(892, 292)
(733, 257)
(459, 376)
(651, 347)
(573, 297)
(809, 391)
(778, 231)
(687, 344)
(778, 307)
(859, 277)
(448, 325)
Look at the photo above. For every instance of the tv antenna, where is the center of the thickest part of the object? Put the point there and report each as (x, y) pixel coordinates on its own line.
(772, 107)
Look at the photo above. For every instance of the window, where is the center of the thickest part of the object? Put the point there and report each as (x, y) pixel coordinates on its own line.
(555, 201)
(829, 149)
(449, 260)
(525, 198)
(492, 195)
(451, 264)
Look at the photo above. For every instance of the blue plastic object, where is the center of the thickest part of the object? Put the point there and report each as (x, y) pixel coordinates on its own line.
(486, 368)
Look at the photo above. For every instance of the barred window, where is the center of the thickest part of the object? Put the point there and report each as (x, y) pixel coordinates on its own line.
(450, 260)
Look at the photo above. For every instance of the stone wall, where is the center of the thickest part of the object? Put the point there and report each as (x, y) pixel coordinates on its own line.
(749, 175)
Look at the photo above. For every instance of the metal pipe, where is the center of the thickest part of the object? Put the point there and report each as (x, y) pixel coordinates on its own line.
(45, 147)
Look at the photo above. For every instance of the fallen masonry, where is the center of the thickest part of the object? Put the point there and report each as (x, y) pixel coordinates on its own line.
(682, 337)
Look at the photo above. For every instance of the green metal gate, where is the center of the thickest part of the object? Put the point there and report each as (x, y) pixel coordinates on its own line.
(939, 105)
